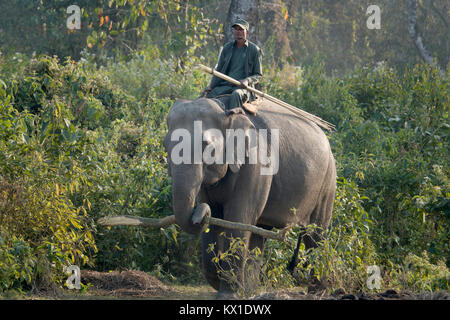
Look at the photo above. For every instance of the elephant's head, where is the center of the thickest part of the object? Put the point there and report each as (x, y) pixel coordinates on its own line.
(195, 145)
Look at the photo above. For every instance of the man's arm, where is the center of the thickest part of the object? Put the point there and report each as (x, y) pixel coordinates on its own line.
(256, 72)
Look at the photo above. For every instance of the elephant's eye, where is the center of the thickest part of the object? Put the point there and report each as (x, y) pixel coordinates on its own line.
(213, 147)
(207, 139)
(211, 150)
(212, 136)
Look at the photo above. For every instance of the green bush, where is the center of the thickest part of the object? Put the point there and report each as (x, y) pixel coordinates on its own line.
(79, 142)
(16, 263)
(147, 74)
(343, 257)
(391, 147)
(36, 179)
(89, 98)
(418, 274)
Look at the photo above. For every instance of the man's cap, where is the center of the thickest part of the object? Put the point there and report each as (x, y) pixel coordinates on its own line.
(241, 23)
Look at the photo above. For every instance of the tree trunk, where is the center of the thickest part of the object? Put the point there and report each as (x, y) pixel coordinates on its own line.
(275, 25)
(416, 36)
(266, 19)
(242, 9)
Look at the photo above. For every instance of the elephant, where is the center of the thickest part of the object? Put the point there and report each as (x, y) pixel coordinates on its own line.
(300, 191)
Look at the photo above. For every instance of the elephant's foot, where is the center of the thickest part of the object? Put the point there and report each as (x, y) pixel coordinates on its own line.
(213, 280)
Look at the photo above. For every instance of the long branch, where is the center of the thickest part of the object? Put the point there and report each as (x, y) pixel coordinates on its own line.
(169, 220)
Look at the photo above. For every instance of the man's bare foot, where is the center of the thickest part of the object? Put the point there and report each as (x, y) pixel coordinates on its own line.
(237, 110)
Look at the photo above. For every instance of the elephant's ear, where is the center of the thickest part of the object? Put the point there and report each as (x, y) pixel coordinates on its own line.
(239, 122)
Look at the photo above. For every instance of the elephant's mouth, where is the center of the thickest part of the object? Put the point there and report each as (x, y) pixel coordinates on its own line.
(217, 180)
(211, 186)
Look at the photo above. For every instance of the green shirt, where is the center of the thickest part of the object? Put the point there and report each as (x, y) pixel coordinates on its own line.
(236, 69)
(251, 61)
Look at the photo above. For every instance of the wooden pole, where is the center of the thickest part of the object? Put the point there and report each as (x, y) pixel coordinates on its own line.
(317, 120)
(167, 221)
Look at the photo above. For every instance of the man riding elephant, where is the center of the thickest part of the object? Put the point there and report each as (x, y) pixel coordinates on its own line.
(241, 60)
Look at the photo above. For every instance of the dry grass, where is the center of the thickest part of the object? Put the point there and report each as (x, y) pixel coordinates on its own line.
(129, 282)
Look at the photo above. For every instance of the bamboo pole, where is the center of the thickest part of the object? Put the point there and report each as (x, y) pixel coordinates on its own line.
(167, 221)
(317, 120)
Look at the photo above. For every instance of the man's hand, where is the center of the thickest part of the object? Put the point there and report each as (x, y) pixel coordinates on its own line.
(244, 84)
(206, 91)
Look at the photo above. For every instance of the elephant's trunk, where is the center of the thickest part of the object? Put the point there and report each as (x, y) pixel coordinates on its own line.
(186, 182)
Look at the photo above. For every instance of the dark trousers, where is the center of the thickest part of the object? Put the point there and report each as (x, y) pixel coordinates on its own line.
(237, 96)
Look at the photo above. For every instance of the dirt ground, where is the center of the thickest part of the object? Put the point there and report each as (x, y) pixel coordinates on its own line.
(133, 284)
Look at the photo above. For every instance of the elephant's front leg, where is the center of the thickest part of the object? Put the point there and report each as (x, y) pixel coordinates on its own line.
(234, 250)
(210, 250)
(247, 202)
(226, 275)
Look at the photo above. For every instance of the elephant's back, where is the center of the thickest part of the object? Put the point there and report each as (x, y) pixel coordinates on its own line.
(304, 157)
(290, 125)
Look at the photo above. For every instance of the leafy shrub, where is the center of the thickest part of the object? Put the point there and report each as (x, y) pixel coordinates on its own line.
(245, 282)
(418, 274)
(35, 209)
(343, 257)
(91, 99)
(147, 74)
(42, 160)
(390, 147)
(16, 265)
(78, 142)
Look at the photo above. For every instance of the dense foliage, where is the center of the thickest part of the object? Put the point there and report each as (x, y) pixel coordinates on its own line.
(334, 31)
(80, 140)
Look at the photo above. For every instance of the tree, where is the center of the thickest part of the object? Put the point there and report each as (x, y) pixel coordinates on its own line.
(417, 37)
(268, 21)
(275, 16)
(242, 9)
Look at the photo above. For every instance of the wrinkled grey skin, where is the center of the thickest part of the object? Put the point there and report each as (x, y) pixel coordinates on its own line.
(306, 180)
